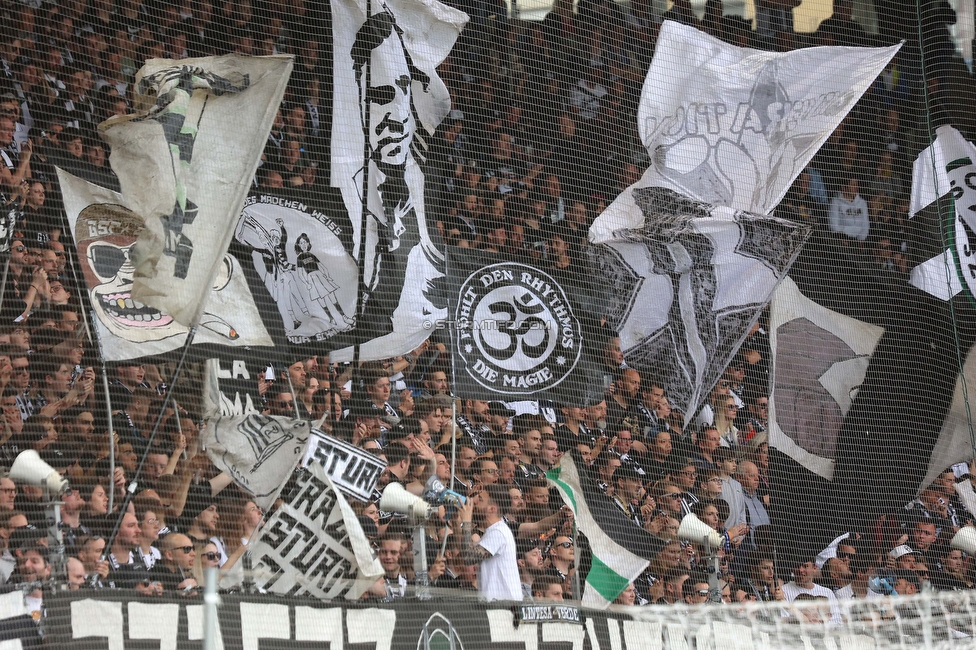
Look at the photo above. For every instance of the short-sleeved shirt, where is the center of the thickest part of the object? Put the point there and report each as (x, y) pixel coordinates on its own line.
(498, 576)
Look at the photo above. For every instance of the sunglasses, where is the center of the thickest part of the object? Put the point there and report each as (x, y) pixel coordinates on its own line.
(672, 495)
(702, 592)
(725, 384)
(213, 557)
(20, 249)
(185, 549)
(564, 544)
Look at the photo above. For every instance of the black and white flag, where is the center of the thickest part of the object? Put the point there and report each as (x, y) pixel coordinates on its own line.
(687, 251)
(104, 232)
(258, 451)
(686, 287)
(385, 84)
(313, 544)
(819, 361)
(519, 331)
(185, 161)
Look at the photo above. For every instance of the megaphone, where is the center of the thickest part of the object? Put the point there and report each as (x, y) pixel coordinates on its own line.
(693, 529)
(396, 499)
(965, 540)
(29, 468)
(436, 493)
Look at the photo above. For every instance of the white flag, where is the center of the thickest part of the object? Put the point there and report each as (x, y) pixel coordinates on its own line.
(258, 451)
(733, 126)
(684, 289)
(313, 545)
(385, 83)
(819, 361)
(946, 169)
(185, 161)
(104, 232)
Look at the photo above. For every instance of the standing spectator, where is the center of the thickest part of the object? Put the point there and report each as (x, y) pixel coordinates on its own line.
(498, 574)
(849, 212)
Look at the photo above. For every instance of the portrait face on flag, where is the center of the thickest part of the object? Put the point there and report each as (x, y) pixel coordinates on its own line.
(387, 102)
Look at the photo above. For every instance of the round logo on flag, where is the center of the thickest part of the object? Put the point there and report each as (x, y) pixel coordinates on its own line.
(516, 330)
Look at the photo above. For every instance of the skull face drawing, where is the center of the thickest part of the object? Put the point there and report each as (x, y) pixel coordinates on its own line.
(106, 234)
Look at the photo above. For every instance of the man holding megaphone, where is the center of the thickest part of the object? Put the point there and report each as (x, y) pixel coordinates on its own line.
(494, 553)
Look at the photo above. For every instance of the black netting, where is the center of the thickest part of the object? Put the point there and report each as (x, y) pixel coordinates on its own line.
(680, 260)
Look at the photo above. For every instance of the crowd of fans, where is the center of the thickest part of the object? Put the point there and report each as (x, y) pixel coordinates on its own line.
(542, 136)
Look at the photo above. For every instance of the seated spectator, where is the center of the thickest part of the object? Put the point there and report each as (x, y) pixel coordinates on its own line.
(174, 570)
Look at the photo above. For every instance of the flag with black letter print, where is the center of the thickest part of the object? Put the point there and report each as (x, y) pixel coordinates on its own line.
(687, 251)
(518, 330)
(185, 161)
(258, 451)
(385, 84)
(818, 363)
(734, 126)
(104, 232)
(621, 549)
(313, 544)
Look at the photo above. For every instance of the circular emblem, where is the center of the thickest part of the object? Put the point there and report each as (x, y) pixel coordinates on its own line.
(516, 330)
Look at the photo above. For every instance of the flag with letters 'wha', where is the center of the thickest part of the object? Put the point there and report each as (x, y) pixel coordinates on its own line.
(520, 330)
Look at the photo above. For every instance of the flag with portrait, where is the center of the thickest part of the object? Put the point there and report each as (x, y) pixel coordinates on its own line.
(386, 88)
(104, 231)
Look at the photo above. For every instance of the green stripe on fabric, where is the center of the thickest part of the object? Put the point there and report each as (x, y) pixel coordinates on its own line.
(568, 491)
(607, 582)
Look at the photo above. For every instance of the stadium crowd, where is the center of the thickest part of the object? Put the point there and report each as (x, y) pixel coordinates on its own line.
(542, 136)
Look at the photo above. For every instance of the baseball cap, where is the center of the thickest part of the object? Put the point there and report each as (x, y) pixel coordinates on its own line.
(901, 551)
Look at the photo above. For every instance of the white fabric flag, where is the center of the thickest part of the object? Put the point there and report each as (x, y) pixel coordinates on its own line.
(684, 289)
(386, 84)
(819, 361)
(104, 232)
(946, 169)
(313, 545)
(258, 451)
(734, 126)
(185, 161)
(687, 251)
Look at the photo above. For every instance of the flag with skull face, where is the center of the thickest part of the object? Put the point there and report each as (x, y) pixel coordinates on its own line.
(104, 231)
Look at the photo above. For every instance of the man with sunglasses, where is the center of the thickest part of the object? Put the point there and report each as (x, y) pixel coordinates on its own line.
(174, 570)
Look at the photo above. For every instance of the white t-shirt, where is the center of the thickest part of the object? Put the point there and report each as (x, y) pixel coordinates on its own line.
(791, 590)
(498, 576)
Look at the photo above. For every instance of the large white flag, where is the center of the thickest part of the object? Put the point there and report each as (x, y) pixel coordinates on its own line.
(185, 161)
(104, 232)
(385, 84)
(687, 250)
(733, 126)
(819, 361)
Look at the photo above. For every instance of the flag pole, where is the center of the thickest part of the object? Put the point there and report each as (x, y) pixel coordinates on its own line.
(111, 433)
(364, 197)
(134, 483)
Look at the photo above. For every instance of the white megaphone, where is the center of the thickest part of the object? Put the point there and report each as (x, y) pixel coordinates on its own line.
(965, 540)
(693, 529)
(29, 468)
(396, 499)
